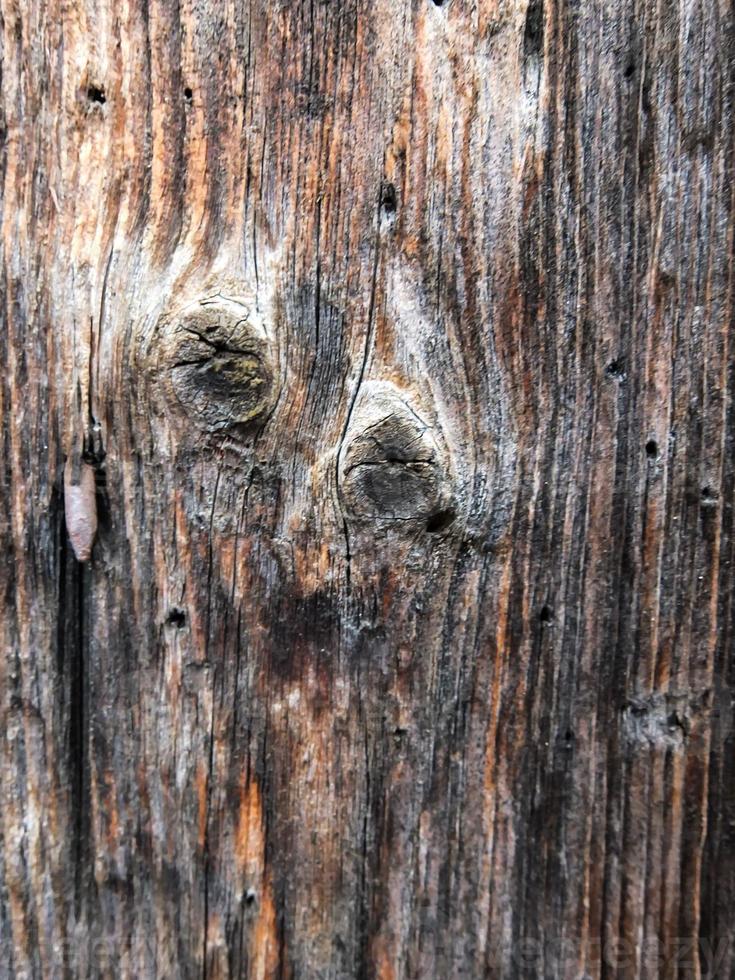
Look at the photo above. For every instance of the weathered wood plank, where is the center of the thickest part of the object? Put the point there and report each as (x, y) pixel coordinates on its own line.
(400, 339)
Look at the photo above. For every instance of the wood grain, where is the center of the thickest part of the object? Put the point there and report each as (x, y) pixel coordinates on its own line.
(469, 715)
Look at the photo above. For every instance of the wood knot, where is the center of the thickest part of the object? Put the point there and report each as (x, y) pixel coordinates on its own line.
(217, 363)
(391, 466)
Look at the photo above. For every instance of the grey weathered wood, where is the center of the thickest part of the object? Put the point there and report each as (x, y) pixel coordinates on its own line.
(405, 648)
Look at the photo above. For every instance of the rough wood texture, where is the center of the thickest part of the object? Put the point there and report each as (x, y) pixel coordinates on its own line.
(400, 336)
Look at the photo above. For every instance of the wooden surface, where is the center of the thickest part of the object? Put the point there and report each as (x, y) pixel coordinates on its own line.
(400, 338)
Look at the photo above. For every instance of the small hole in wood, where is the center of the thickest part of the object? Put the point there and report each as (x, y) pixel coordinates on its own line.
(615, 369)
(709, 497)
(188, 94)
(545, 615)
(629, 71)
(440, 521)
(95, 94)
(438, 3)
(389, 198)
(652, 449)
(177, 618)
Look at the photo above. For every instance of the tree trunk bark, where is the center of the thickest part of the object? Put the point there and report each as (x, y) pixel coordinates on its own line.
(367, 542)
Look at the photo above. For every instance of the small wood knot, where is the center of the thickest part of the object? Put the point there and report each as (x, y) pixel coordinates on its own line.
(391, 468)
(217, 363)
